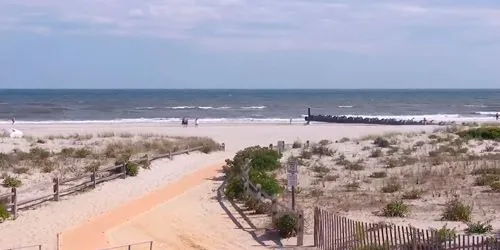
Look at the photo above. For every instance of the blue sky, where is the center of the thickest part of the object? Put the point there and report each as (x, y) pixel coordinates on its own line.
(249, 44)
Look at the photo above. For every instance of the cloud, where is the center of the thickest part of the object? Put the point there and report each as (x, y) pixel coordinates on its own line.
(355, 26)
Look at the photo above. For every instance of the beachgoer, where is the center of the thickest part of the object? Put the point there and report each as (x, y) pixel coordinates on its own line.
(496, 116)
(196, 122)
(13, 119)
(290, 121)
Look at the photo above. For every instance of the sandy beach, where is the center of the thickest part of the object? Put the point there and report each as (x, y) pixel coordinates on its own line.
(41, 226)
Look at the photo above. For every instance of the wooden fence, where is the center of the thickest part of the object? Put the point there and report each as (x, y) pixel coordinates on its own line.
(256, 192)
(146, 245)
(332, 232)
(63, 187)
(33, 247)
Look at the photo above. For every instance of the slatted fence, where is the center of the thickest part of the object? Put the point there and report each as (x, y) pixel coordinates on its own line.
(333, 232)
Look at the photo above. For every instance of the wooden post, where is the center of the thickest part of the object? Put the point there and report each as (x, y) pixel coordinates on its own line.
(300, 228)
(93, 178)
(413, 238)
(14, 203)
(56, 189)
(170, 154)
(293, 198)
(151, 245)
(281, 146)
(124, 171)
(274, 206)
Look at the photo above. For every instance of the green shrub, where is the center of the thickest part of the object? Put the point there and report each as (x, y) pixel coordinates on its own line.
(478, 228)
(11, 182)
(444, 234)
(234, 189)
(396, 209)
(381, 174)
(268, 183)
(455, 210)
(324, 142)
(381, 142)
(484, 133)
(132, 169)
(286, 225)
(4, 214)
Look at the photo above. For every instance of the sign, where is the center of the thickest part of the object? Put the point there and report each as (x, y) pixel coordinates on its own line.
(292, 168)
(292, 180)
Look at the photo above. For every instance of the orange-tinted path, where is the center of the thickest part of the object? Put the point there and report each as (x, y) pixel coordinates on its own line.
(91, 235)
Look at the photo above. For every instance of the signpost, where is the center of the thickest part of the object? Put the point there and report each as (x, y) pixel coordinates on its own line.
(292, 171)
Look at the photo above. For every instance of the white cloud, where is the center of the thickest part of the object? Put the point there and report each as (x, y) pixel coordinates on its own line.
(358, 26)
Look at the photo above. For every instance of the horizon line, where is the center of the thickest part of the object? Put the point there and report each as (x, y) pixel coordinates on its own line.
(250, 89)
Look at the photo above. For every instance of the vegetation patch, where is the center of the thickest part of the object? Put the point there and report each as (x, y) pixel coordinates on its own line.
(286, 224)
(479, 228)
(455, 210)
(396, 209)
(482, 133)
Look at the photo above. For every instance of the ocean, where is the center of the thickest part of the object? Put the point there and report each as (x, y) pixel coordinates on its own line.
(242, 106)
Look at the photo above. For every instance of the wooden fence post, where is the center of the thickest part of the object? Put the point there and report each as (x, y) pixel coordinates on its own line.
(124, 171)
(56, 189)
(93, 178)
(14, 203)
(300, 228)
(281, 146)
(187, 149)
(413, 238)
(170, 154)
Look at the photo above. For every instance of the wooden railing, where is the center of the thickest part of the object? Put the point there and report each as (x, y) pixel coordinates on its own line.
(332, 232)
(146, 245)
(79, 183)
(32, 247)
(255, 191)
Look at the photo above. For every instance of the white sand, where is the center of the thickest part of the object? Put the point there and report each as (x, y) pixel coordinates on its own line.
(41, 226)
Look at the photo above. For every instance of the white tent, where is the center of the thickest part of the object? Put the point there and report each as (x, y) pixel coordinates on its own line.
(12, 133)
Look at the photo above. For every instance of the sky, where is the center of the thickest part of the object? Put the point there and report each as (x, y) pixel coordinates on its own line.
(249, 44)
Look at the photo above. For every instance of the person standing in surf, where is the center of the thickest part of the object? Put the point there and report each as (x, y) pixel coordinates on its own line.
(196, 122)
(496, 116)
(13, 119)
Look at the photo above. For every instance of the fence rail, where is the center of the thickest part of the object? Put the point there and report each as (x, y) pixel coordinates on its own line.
(38, 247)
(14, 204)
(145, 245)
(332, 232)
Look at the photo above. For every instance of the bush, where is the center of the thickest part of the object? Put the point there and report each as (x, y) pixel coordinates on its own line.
(321, 150)
(324, 142)
(4, 214)
(352, 186)
(286, 225)
(306, 154)
(234, 189)
(82, 153)
(444, 234)
(478, 228)
(344, 139)
(495, 186)
(355, 166)
(486, 170)
(11, 182)
(39, 153)
(396, 209)
(484, 133)
(412, 194)
(486, 180)
(376, 153)
(391, 188)
(455, 210)
(381, 142)
(297, 144)
(131, 169)
(268, 183)
(381, 174)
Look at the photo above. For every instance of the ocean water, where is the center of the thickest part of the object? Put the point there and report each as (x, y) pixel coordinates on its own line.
(257, 106)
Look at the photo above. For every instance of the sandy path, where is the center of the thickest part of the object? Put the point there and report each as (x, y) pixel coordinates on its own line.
(42, 225)
(194, 220)
(95, 229)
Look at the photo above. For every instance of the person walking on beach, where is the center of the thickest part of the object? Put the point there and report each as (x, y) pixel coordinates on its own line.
(496, 116)
(13, 119)
(196, 122)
